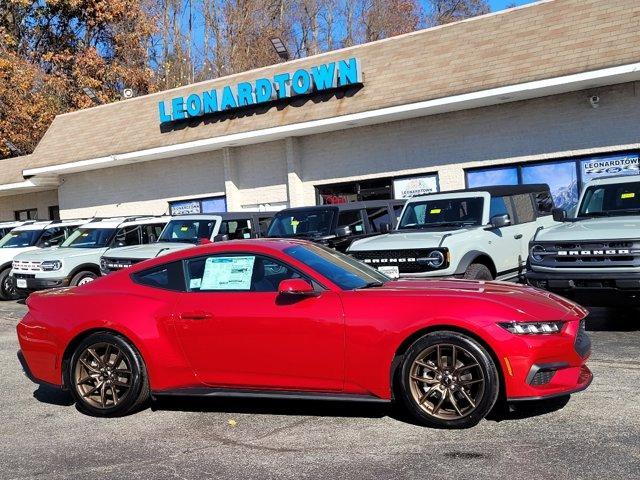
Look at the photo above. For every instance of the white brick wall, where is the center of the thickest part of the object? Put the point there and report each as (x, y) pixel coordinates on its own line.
(539, 129)
(40, 200)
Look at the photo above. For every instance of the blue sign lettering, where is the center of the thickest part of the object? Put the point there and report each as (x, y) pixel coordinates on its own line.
(303, 81)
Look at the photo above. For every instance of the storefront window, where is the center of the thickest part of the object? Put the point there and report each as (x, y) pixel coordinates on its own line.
(487, 177)
(203, 205)
(376, 189)
(562, 178)
(609, 165)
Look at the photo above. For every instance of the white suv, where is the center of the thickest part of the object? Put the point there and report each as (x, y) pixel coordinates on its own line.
(480, 234)
(77, 260)
(25, 237)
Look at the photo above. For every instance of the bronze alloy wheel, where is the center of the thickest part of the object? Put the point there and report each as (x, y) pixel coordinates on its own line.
(102, 375)
(446, 381)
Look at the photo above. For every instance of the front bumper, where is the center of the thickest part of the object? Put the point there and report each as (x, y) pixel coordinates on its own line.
(548, 366)
(34, 284)
(593, 288)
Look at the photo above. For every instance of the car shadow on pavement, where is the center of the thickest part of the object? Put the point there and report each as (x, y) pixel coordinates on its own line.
(613, 319)
(53, 396)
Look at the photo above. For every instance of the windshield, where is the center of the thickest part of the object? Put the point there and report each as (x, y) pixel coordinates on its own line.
(341, 269)
(187, 231)
(612, 199)
(303, 223)
(18, 239)
(89, 238)
(442, 213)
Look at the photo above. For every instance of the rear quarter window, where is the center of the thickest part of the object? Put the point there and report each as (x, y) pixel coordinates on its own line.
(169, 276)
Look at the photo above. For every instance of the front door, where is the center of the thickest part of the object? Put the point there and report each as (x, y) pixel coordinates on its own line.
(237, 331)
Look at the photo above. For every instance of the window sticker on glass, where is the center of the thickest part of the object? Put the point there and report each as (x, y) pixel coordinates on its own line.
(358, 228)
(184, 228)
(628, 195)
(435, 211)
(194, 283)
(227, 273)
(246, 235)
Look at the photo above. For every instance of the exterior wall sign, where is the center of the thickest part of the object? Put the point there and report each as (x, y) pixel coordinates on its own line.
(607, 166)
(415, 186)
(326, 76)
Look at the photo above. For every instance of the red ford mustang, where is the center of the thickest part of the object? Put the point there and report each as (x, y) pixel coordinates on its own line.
(287, 318)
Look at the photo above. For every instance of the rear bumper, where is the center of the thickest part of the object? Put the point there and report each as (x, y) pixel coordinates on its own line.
(39, 353)
(595, 289)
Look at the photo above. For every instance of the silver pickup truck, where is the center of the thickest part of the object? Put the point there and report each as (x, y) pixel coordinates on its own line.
(593, 257)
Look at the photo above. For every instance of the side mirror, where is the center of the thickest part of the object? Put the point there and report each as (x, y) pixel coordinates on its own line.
(204, 241)
(385, 228)
(296, 286)
(499, 221)
(559, 214)
(343, 232)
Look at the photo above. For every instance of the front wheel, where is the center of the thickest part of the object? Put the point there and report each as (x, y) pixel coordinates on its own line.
(448, 380)
(478, 271)
(106, 376)
(82, 278)
(7, 286)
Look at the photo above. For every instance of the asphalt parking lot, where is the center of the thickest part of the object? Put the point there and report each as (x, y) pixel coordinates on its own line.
(595, 435)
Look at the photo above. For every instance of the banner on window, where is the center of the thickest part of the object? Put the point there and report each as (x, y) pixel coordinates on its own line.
(609, 166)
(185, 208)
(415, 186)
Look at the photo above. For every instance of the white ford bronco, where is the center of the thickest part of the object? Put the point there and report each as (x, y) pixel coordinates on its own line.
(77, 260)
(480, 233)
(25, 237)
(593, 257)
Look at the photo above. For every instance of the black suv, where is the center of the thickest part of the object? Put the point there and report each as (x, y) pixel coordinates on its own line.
(336, 225)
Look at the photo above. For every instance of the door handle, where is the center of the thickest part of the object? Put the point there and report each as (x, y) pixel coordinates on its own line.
(196, 316)
(518, 236)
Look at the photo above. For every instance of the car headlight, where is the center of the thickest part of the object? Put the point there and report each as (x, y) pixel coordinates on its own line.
(536, 252)
(533, 328)
(435, 259)
(51, 265)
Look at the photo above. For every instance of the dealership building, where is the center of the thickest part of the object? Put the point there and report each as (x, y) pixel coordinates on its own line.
(548, 92)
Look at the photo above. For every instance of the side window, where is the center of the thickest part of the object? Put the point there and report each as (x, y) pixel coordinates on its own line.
(236, 229)
(126, 236)
(501, 206)
(378, 217)
(52, 237)
(397, 211)
(243, 273)
(263, 226)
(544, 202)
(150, 233)
(169, 277)
(525, 211)
(353, 220)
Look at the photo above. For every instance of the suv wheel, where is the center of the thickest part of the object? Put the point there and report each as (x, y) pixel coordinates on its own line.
(448, 380)
(7, 286)
(82, 278)
(107, 376)
(478, 271)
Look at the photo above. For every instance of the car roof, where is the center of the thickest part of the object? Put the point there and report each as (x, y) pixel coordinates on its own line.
(496, 190)
(223, 215)
(614, 180)
(345, 206)
(116, 222)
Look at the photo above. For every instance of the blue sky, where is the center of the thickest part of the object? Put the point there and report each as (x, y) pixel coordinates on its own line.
(501, 4)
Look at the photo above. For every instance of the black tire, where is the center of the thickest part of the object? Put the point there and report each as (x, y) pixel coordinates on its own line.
(7, 286)
(461, 382)
(132, 400)
(82, 277)
(478, 271)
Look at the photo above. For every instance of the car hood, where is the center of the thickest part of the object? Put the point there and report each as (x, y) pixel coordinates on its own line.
(145, 252)
(522, 298)
(410, 239)
(602, 228)
(56, 253)
(8, 254)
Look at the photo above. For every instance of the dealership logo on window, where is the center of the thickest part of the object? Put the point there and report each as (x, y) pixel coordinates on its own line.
(326, 76)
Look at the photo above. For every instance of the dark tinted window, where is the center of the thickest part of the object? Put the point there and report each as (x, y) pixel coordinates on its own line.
(52, 237)
(544, 202)
(236, 229)
(151, 233)
(500, 206)
(525, 211)
(263, 225)
(187, 231)
(310, 223)
(127, 236)
(353, 220)
(378, 217)
(169, 277)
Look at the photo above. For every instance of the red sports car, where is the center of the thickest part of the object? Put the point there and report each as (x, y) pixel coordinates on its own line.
(288, 318)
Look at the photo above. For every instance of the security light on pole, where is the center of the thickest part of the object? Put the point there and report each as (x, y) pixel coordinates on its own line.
(90, 92)
(280, 48)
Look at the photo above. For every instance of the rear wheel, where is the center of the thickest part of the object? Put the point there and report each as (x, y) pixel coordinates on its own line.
(7, 286)
(82, 278)
(478, 271)
(107, 376)
(448, 380)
